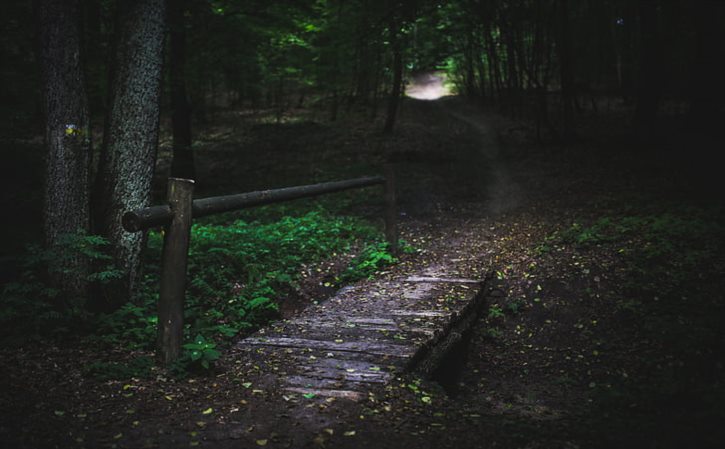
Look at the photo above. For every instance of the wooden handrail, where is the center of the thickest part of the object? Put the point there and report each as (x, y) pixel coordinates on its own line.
(177, 217)
(154, 216)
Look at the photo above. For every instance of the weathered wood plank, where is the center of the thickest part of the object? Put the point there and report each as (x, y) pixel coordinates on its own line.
(415, 279)
(420, 313)
(342, 394)
(387, 349)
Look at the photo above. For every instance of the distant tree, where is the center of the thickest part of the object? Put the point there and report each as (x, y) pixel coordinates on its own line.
(131, 135)
(707, 90)
(397, 82)
(566, 69)
(67, 135)
(182, 163)
(649, 79)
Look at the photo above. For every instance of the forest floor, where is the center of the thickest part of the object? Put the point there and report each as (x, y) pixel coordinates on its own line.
(603, 325)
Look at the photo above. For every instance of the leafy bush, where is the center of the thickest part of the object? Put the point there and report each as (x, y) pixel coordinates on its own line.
(236, 273)
(32, 307)
(371, 259)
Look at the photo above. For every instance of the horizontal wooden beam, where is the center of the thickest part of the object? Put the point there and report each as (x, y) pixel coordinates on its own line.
(154, 216)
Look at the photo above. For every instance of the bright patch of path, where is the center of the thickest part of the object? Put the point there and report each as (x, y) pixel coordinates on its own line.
(427, 86)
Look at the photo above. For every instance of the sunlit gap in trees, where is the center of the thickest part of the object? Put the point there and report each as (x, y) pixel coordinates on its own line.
(427, 86)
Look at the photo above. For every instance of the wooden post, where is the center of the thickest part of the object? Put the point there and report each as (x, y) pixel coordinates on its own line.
(391, 212)
(173, 270)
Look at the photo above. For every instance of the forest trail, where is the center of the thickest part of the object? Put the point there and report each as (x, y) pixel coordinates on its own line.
(500, 193)
(318, 365)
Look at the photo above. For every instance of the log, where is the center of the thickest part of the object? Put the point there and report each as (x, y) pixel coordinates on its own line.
(173, 271)
(154, 216)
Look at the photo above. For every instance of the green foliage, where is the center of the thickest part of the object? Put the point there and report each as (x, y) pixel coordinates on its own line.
(236, 274)
(32, 307)
(495, 311)
(665, 248)
(371, 259)
(200, 352)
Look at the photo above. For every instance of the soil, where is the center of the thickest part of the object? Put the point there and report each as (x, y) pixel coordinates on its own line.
(565, 365)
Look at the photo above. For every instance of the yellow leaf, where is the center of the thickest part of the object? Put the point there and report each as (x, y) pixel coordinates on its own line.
(261, 442)
(207, 411)
(349, 433)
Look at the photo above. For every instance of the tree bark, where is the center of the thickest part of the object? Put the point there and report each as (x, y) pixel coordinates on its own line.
(708, 68)
(182, 162)
(649, 79)
(67, 137)
(397, 87)
(131, 136)
(566, 70)
(395, 92)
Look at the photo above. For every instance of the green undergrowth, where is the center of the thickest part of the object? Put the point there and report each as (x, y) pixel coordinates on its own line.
(238, 272)
(664, 289)
(660, 251)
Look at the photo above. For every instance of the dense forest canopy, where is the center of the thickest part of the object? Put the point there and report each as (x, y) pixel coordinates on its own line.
(340, 52)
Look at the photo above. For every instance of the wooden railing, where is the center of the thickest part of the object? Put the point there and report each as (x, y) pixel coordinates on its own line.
(177, 215)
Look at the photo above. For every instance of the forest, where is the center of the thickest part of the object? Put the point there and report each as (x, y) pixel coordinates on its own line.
(362, 223)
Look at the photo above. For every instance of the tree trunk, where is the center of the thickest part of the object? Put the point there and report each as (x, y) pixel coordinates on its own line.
(131, 137)
(395, 92)
(649, 80)
(182, 163)
(566, 70)
(67, 137)
(708, 70)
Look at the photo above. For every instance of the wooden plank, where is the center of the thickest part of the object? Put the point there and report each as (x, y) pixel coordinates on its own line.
(443, 280)
(420, 313)
(342, 394)
(342, 374)
(391, 350)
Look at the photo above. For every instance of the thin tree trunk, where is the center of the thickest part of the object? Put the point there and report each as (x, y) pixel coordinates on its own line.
(708, 68)
(182, 163)
(131, 137)
(67, 137)
(396, 91)
(566, 70)
(649, 80)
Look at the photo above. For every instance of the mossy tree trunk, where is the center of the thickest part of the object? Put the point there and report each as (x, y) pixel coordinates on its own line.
(67, 138)
(130, 139)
